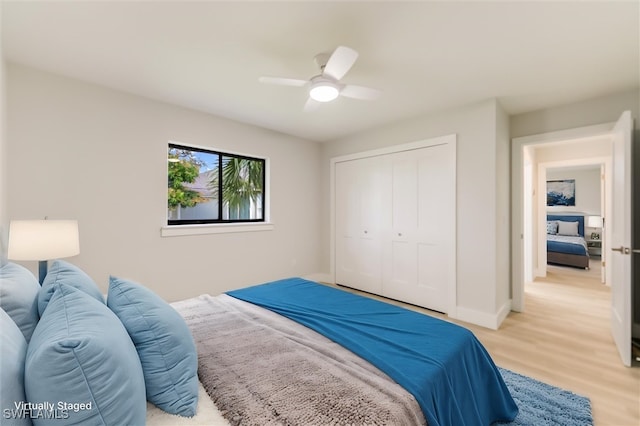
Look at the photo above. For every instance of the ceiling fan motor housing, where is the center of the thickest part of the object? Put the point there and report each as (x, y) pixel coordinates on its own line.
(324, 89)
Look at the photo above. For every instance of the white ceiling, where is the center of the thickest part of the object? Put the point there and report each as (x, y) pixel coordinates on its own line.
(424, 56)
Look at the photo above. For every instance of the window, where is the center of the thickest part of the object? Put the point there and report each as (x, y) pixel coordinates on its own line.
(207, 186)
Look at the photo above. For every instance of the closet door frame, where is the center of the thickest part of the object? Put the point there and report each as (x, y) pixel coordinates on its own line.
(448, 140)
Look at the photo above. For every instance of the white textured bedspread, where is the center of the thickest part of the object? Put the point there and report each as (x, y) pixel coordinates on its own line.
(207, 414)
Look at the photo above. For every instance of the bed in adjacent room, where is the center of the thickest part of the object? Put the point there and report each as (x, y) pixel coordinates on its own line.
(566, 244)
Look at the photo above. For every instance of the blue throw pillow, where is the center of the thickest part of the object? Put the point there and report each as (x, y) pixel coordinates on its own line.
(19, 297)
(13, 349)
(552, 227)
(164, 343)
(61, 272)
(80, 353)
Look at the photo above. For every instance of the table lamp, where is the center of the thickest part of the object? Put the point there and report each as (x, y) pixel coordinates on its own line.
(43, 240)
(594, 222)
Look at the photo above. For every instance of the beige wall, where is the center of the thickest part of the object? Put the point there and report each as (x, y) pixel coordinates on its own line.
(477, 198)
(605, 109)
(503, 210)
(90, 153)
(4, 221)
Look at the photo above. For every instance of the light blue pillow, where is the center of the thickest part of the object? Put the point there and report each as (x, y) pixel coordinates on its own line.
(552, 227)
(61, 272)
(13, 348)
(164, 343)
(81, 353)
(19, 297)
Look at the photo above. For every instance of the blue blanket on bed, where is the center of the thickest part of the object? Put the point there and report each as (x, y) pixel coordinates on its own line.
(443, 365)
(567, 244)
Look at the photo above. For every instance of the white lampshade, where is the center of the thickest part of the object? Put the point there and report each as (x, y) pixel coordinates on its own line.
(43, 239)
(594, 222)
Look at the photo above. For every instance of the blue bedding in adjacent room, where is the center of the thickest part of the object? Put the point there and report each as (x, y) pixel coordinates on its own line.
(443, 365)
(569, 244)
(566, 244)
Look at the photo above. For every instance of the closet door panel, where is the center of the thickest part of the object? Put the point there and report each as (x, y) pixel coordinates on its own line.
(420, 207)
(358, 216)
(404, 187)
(401, 271)
(347, 221)
(436, 226)
(400, 254)
(372, 184)
(432, 278)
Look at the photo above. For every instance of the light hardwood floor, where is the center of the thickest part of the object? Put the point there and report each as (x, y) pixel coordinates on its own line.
(563, 339)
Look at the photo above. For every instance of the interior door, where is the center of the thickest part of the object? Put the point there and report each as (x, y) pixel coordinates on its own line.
(620, 227)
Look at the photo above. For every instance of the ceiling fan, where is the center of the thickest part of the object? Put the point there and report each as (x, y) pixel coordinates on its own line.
(326, 86)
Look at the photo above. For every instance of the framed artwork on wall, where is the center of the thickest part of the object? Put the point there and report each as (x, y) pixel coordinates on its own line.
(561, 192)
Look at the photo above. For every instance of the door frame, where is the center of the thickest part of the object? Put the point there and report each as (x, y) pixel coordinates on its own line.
(517, 197)
(540, 205)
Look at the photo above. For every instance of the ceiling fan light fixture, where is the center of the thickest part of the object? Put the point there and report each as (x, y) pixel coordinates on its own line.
(324, 91)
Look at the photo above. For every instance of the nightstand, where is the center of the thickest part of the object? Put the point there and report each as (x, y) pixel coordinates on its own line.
(594, 247)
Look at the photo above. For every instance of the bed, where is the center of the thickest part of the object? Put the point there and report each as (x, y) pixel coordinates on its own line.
(286, 352)
(566, 244)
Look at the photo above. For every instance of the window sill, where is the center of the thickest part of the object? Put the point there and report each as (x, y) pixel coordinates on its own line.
(218, 228)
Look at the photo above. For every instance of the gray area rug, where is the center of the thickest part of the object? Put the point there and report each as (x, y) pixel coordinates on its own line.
(541, 404)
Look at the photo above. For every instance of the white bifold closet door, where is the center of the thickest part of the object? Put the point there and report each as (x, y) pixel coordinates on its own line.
(360, 203)
(395, 225)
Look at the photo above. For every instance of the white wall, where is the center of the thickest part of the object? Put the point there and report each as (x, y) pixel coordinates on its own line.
(477, 210)
(4, 221)
(605, 109)
(503, 212)
(90, 153)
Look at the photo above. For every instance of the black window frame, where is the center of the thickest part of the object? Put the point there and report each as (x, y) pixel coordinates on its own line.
(221, 154)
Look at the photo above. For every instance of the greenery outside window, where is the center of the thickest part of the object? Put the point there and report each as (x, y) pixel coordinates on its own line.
(208, 187)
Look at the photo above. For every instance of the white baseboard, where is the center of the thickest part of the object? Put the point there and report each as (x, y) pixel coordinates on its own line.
(503, 312)
(319, 277)
(484, 319)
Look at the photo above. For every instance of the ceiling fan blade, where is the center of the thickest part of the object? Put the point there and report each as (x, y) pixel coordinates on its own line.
(340, 62)
(283, 81)
(311, 105)
(360, 92)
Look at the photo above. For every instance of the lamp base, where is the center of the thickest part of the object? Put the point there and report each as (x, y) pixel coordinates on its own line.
(42, 270)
